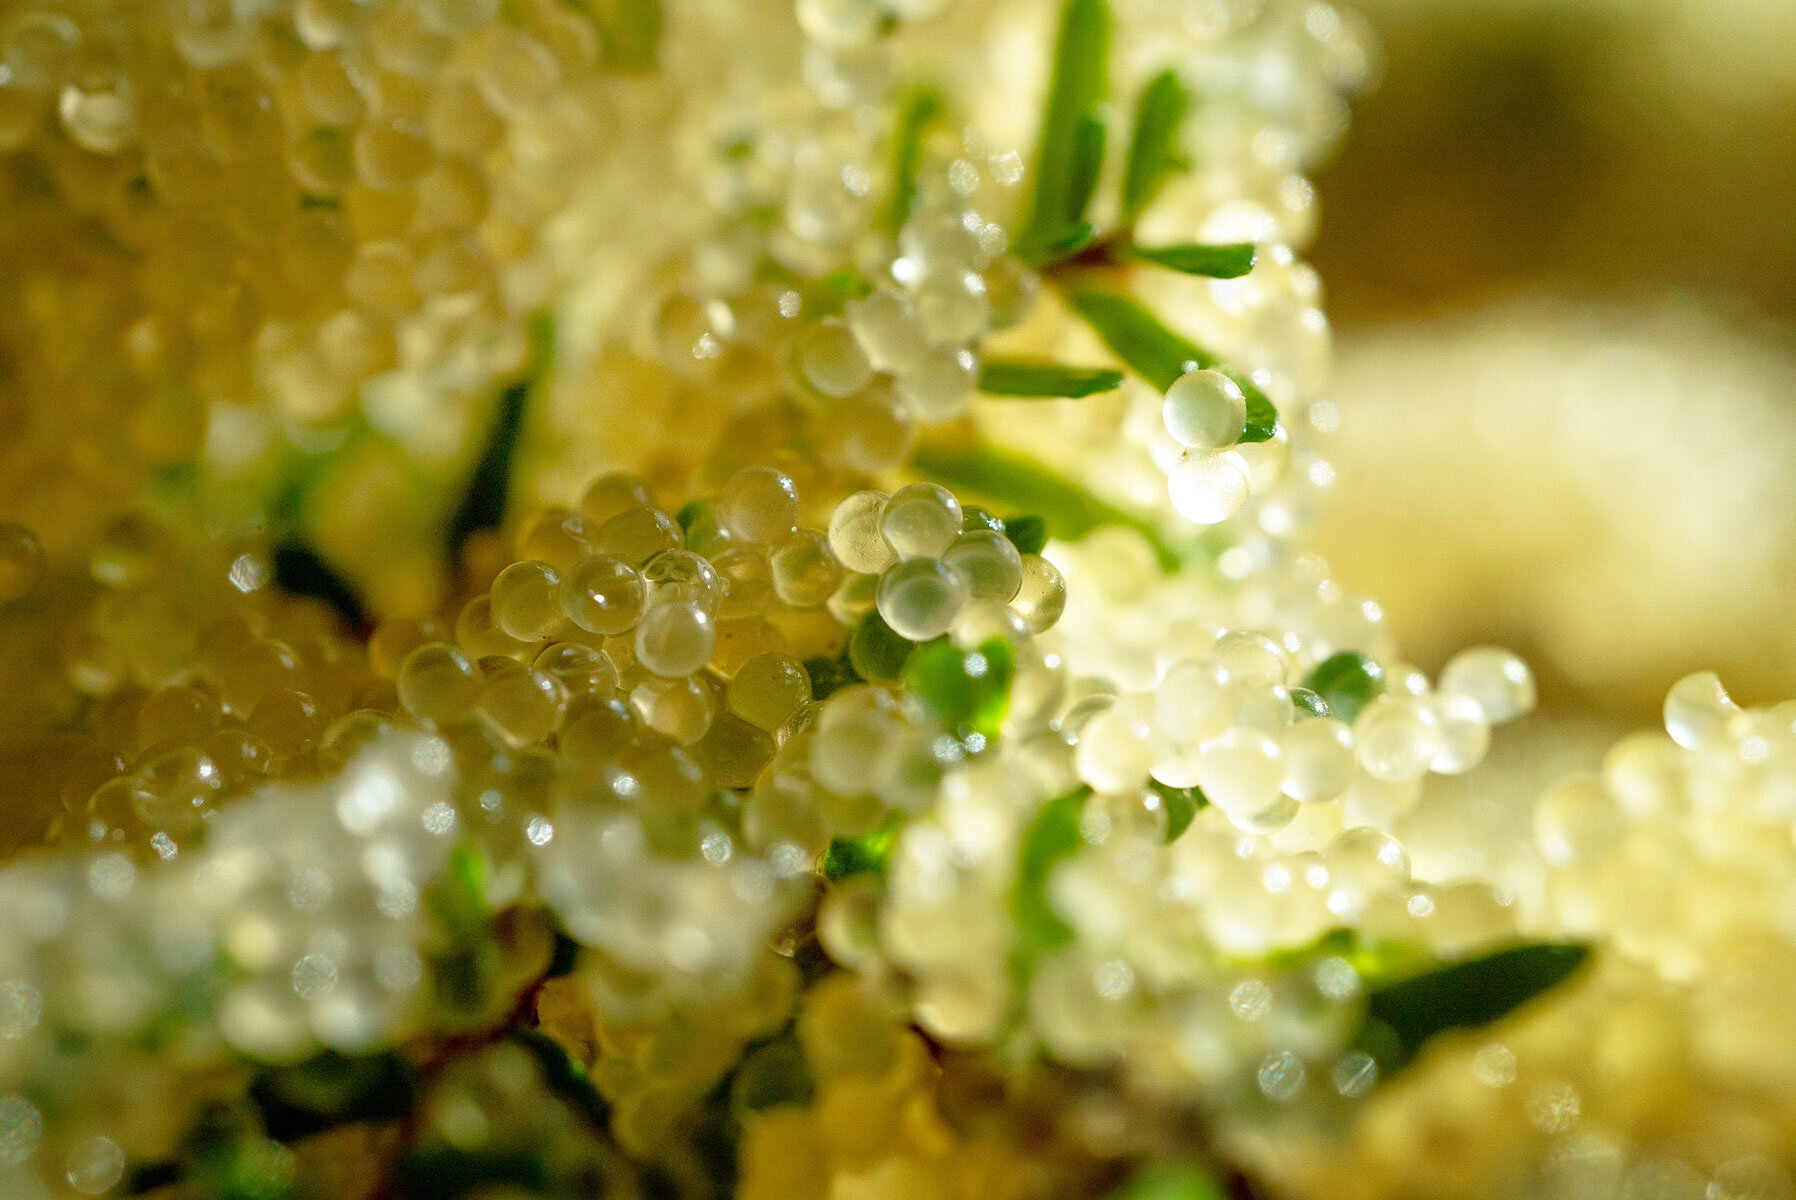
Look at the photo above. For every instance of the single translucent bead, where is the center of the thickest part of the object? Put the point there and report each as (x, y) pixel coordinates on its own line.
(952, 307)
(582, 670)
(1496, 680)
(675, 639)
(921, 520)
(920, 598)
(681, 709)
(1194, 701)
(1205, 410)
(99, 109)
(558, 536)
(990, 561)
(523, 705)
(854, 598)
(854, 534)
(887, 330)
(769, 690)
(1575, 821)
(1319, 760)
(1241, 772)
(1697, 710)
(832, 361)
(1464, 733)
(457, 17)
(939, 385)
(1363, 863)
(1208, 487)
(760, 505)
(515, 71)
(1645, 774)
(682, 575)
(1251, 658)
(870, 432)
(1397, 738)
(1042, 596)
(438, 685)
(840, 24)
(747, 581)
(981, 620)
(1116, 748)
(638, 534)
(604, 595)
(805, 571)
(94, 1165)
(612, 494)
(21, 561)
(526, 599)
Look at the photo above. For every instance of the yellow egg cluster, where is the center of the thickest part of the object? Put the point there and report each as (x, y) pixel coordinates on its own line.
(802, 730)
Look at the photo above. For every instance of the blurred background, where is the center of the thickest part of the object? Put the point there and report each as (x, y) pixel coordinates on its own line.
(1561, 262)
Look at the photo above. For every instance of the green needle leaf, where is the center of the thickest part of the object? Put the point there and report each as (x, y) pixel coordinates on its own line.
(1052, 837)
(1067, 510)
(1013, 377)
(967, 691)
(1028, 533)
(1070, 153)
(1181, 806)
(1154, 152)
(1346, 682)
(1228, 261)
(920, 108)
(1160, 356)
(489, 486)
(1170, 1181)
(629, 31)
(876, 651)
(868, 854)
(1402, 1016)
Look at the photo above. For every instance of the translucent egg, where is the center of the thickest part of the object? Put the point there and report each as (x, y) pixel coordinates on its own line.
(887, 329)
(1397, 738)
(1041, 598)
(1319, 760)
(920, 598)
(523, 705)
(438, 684)
(939, 384)
(769, 690)
(760, 505)
(1116, 749)
(682, 575)
(1575, 821)
(989, 560)
(854, 533)
(21, 561)
(612, 494)
(921, 520)
(1241, 772)
(581, 670)
(1208, 487)
(638, 534)
(832, 361)
(675, 639)
(804, 570)
(1194, 701)
(604, 595)
(526, 600)
(1464, 733)
(1205, 410)
(1496, 680)
(1697, 710)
